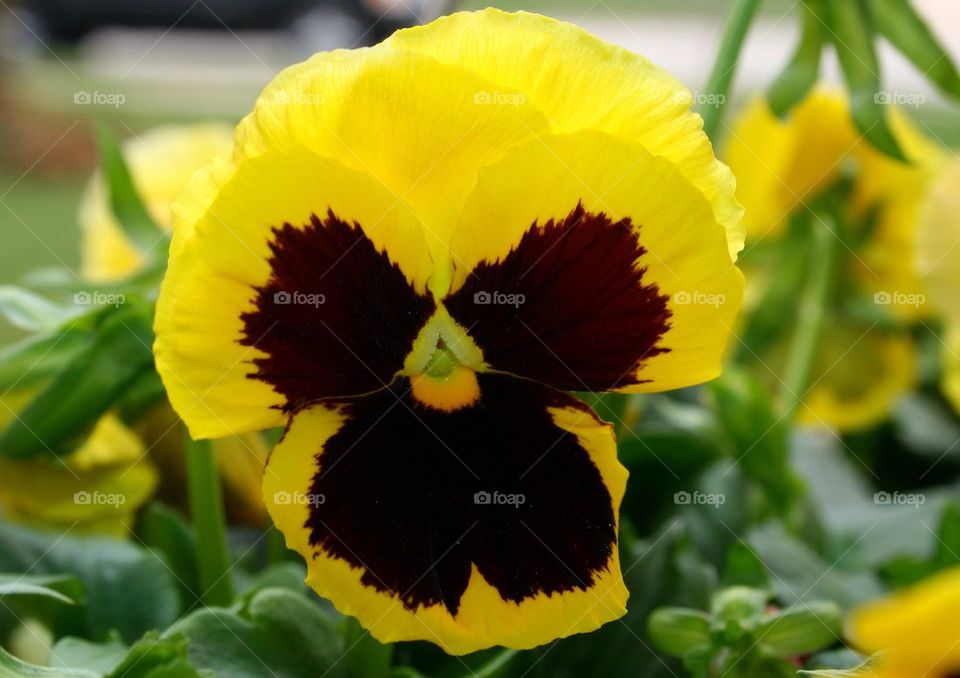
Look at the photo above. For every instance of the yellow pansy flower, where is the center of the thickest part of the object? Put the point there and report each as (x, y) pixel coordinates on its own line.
(161, 162)
(781, 166)
(916, 630)
(414, 252)
(96, 488)
(938, 261)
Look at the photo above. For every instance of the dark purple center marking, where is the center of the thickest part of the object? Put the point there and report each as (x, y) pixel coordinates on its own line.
(568, 306)
(415, 496)
(336, 317)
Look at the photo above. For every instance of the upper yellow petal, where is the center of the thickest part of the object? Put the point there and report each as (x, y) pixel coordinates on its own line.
(420, 127)
(580, 83)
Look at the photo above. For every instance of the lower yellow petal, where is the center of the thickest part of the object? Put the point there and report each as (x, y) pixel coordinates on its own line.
(472, 611)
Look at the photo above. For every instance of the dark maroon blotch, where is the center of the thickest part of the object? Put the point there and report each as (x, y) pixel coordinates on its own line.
(587, 320)
(336, 318)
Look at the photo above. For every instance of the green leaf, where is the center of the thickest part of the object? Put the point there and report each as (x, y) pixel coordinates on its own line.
(802, 630)
(927, 426)
(125, 202)
(758, 437)
(126, 588)
(38, 357)
(284, 632)
(897, 21)
(800, 73)
(863, 671)
(679, 630)
(744, 568)
(86, 388)
(853, 41)
(842, 659)
(62, 588)
(948, 539)
(11, 667)
(285, 575)
(78, 653)
(154, 656)
(662, 571)
(800, 574)
(166, 532)
(29, 311)
(365, 656)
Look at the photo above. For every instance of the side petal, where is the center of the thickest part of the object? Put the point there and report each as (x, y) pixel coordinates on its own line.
(491, 525)
(591, 265)
(581, 82)
(293, 269)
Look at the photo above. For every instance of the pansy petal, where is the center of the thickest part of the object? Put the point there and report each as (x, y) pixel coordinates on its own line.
(494, 524)
(589, 264)
(782, 164)
(917, 625)
(96, 489)
(861, 372)
(300, 280)
(950, 381)
(938, 241)
(581, 82)
(161, 162)
(422, 128)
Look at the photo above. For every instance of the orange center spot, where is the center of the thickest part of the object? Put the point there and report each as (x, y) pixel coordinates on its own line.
(451, 392)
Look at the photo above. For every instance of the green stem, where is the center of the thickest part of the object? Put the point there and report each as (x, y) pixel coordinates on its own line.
(493, 667)
(206, 508)
(811, 315)
(717, 88)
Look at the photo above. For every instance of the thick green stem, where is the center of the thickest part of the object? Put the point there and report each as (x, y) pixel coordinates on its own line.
(206, 508)
(711, 105)
(811, 315)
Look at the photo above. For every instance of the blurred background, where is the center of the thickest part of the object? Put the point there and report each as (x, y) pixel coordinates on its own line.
(65, 63)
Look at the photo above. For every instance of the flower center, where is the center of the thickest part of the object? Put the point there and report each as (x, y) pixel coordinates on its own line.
(445, 384)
